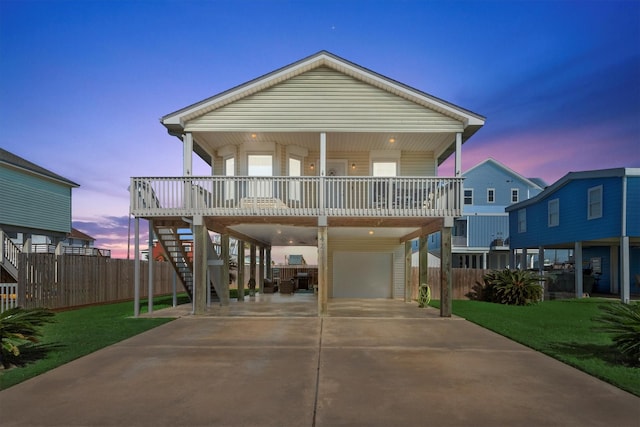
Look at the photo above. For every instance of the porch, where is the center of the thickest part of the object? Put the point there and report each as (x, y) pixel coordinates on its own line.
(246, 196)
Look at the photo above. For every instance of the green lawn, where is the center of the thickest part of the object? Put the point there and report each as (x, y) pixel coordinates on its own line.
(86, 330)
(562, 329)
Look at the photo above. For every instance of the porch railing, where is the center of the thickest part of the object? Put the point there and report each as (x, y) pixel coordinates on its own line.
(9, 253)
(296, 196)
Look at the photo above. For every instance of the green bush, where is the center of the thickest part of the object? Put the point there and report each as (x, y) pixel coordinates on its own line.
(512, 287)
(518, 287)
(20, 333)
(622, 322)
(485, 291)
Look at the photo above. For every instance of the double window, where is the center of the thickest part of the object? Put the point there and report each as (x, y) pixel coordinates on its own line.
(468, 196)
(522, 221)
(515, 195)
(491, 195)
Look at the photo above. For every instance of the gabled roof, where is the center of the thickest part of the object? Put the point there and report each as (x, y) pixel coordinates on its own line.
(19, 163)
(175, 121)
(573, 176)
(533, 182)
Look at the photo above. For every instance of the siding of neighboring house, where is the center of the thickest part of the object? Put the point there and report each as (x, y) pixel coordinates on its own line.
(573, 220)
(484, 229)
(35, 203)
(373, 245)
(322, 100)
(633, 202)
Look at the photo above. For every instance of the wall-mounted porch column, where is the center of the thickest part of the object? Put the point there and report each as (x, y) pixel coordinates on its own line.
(268, 262)
(187, 154)
(322, 266)
(240, 276)
(446, 271)
(458, 158)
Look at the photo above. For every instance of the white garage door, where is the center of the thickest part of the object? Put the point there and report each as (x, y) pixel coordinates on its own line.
(362, 275)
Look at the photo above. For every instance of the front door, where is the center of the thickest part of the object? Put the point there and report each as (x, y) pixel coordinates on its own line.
(335, 187)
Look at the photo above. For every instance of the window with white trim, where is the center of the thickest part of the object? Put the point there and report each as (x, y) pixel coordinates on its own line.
(595, 202)
(260, 165)
(515, 195)
(553, 210)
(491, 195)
(468, 196)
(522, 221)
(229, 170)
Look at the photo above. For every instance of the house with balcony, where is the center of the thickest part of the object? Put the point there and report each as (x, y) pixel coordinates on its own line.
(595, 213)
(323, 153)
(35, 211)
(481, 233)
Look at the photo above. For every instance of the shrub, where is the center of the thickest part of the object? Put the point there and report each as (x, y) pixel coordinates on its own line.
(484, 291)
(622, 321)
(518, 287)
(512, 287)
(20, 333)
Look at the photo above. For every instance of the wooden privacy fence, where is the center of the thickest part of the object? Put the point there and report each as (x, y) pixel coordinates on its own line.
(61, 281)
(462, 281)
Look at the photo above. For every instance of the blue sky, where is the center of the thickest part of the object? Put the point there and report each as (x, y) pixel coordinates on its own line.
(84, 83)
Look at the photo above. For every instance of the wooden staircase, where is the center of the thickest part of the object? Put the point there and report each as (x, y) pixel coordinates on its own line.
(177, 245)
(9, 253)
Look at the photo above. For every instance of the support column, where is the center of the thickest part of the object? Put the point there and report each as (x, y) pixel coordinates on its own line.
(268, 263)
(261, 271)
(446, 271)
(523, 259)
(577, 256)
(407, 271)
(252, 265)
(240, 278)
(136, 268)
(187, 154)
(423, 261)
(199, 265)
(484, 260)
(541, 269)
(150, 282)
(322, 266)
(224, 275)
(625, 275)
(458, 159)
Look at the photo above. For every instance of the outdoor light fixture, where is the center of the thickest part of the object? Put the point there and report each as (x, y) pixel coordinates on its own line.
(253, 135)
(312, 166)
(353, 166)
(392, 140)
(371, 232)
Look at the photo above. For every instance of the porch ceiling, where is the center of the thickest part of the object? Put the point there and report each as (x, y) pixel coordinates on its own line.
(210, 142)
(288, 235)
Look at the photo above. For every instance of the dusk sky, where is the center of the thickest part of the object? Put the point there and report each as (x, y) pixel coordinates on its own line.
(84, 83)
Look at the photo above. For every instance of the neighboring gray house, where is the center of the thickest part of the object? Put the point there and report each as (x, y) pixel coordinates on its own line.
(481, 234)
(35, 208)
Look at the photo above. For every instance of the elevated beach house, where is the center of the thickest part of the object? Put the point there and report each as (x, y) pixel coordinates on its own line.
(321, 153)
(596, 213)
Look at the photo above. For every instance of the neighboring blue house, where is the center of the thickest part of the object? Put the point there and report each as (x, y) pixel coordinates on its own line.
(596, 213)
(35, 208)
(480, 235)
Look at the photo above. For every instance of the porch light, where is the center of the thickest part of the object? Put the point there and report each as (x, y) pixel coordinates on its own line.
(370, 232)
(392, 140)
(353, 166)
(253, 135)
(312, 166)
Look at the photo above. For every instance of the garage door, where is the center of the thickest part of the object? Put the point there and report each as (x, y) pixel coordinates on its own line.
(362, 275)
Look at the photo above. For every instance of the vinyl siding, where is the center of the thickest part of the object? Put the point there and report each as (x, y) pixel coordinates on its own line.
(31, 202)
(633, 206)
(482, 230)
(324, 100)
(370, 245)
(574, 225)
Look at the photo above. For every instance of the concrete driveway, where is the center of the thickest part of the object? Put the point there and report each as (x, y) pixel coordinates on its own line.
(369, 363)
